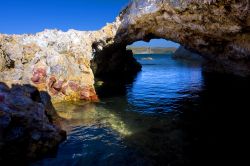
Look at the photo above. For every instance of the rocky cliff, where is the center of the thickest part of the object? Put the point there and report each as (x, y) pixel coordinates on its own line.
(64, 63)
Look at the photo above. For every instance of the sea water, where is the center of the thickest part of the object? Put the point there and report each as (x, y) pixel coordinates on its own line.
(170, 113)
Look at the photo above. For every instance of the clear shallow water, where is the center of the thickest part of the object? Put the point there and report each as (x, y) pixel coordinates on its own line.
(169, 114)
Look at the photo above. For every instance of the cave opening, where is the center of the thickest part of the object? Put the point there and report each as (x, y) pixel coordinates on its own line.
(118, 66)
(118, 60)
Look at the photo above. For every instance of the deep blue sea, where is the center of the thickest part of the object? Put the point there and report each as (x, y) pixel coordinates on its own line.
(170, 113)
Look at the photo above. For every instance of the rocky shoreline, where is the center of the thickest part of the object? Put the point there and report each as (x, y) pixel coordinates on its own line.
(29, 127)
(64, 65)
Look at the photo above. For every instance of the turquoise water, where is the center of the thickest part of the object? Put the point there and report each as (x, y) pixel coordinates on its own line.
(169, 114)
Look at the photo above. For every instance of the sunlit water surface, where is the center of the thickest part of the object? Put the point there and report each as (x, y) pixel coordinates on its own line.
(169, 114)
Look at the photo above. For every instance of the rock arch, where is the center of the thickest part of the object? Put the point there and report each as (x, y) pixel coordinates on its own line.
(219, 30)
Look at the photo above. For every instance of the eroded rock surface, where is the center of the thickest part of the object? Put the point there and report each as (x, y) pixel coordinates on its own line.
(53, 61)
(64, 63)
(26, 127)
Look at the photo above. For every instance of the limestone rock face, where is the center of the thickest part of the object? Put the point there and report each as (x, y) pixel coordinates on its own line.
(26, 129)
(53, 61)
(64, 63)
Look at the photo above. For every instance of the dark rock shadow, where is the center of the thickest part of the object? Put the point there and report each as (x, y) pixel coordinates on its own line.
(114, 86)
(29, 125)
(114, 62)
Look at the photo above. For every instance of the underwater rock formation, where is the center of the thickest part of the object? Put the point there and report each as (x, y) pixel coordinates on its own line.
(64, 63)
(27, 129)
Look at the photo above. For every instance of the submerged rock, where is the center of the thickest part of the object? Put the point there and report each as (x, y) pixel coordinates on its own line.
(27, 131)
(64, 63)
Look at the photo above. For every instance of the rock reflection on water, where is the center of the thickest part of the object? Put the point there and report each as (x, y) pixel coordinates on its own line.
(170, 114)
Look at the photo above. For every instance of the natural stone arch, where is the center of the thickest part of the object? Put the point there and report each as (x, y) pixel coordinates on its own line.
(216, 29)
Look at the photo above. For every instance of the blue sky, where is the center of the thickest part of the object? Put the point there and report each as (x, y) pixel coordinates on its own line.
(31, 16)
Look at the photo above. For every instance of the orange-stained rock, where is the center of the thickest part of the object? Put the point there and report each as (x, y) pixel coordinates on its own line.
(58, 85)
(39, 76)
(52, 80)
(74, 86)
(88, 93)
